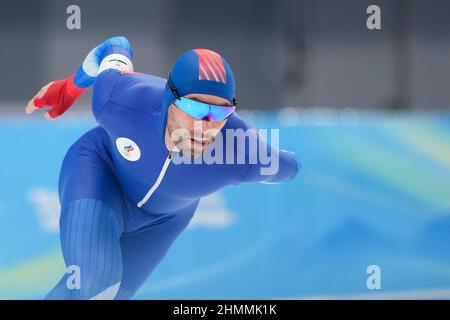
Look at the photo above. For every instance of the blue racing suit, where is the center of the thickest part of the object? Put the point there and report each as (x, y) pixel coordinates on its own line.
(123, 199)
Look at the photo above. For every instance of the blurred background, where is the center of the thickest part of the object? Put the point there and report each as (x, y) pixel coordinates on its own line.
(367, 111)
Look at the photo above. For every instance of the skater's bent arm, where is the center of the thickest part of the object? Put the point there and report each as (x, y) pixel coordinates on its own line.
(60, 95)
(277, 166)
(266, 163)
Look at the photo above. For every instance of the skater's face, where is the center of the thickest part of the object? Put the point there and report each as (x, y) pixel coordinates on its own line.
(191, 135)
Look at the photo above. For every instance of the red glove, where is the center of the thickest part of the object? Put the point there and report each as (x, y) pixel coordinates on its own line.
(60, 95)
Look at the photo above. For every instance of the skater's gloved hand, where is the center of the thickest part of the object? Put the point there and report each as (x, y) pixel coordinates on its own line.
(60, 95)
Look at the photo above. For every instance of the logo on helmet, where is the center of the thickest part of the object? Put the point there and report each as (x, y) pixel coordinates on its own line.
(210, 66)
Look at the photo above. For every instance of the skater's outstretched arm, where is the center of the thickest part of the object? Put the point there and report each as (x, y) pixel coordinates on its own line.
(60, 95)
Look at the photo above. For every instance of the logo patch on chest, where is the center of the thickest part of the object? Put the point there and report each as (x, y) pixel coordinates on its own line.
(128, 149)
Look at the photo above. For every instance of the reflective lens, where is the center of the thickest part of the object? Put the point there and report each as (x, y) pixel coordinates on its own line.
(200, 110)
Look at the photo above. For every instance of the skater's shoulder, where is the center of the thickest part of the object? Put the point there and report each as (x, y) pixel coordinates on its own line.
(130, 89)
(136, 89)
